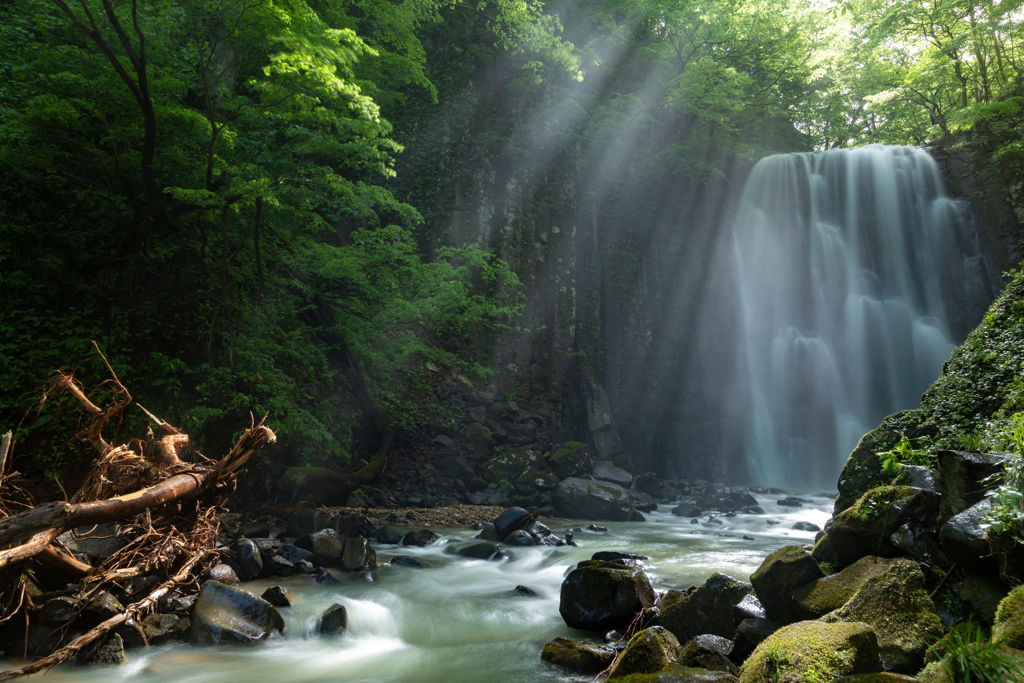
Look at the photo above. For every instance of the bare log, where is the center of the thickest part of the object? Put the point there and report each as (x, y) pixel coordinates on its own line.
(65, 564)
(30, 549)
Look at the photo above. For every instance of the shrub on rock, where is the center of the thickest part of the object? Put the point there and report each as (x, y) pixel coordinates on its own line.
(810, 649)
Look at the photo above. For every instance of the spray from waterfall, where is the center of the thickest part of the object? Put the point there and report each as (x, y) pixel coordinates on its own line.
(844, 264)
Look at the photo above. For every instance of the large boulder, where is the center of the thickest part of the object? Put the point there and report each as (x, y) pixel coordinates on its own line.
(781, 573)
(605, 472)
(708, 608)
(478, 440)
(578, 656)
(326, 545)
(333, 621)
(649, 651)
(597, 596)
(964, 537)
(829, 593)
(508, 465)
(811, 650)
(358, 555)
(981, 594)
(224, 614)
(1009, 624)
(570, 459)
(866, 527)
(511, 519)
(863, 469)
(897, 606)
(585, 499)
(307, 521)
(962, 479)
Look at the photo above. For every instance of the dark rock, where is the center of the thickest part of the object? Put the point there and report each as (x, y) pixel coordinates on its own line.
(406, 561)
(461, 469)
(961, 479)
(97, 542)
(790, 502)
(914, 542)
(578, 656)
(278, 596)
(326, 545)
(760, 490)
(523, 590)
(779, 492)
(981, 595)
(479, 550)
(358, 555)
(570, 459)
(307, 521)
(604, 472)
(749, 634)
(598, 529)
(224, 614)
(643, 501)
(687, 510)
(649, 651)
(325, 577)
(138, 586)
(110, 652)
(250, 561)
(865, 528)
(354, 525)
(221, 573)
(708, 652)
(488, 533)
(919, 477)
(585, 499)
(389, 535)
(781, 573)
(806, 526)
(598, 595)
(811, 648)
(57, 611)
(420, 538)
(251, 531)
(103, 605)
(333, 621)
(965, 540)
(648, 482)
(520, 538)
(753, 510)
(612, 555)
(706, 609)
(164, 628)
(749, 608)
(511, 519)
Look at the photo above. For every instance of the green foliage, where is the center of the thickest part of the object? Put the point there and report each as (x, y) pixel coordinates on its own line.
(972, 659)
(905, 454)
(1007, 516)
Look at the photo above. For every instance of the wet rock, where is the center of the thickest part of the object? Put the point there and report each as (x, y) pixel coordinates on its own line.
(605, 472)
(570, 459)
(902, 614)
(790, 502)
(687, 510)
(597, 596)
(224, 614)
(520, 538)
(914, 542)
(389, 535)
(307, 521)
(811, 648)
(824, 595)
(578, 656)
(753, 510)
(649, 651)
(354, 525)
(643, 502)
(961, 479)
(138, 586)
(749, 634)
(1009, 622)
(585, 499)
(780, 574)
(542, 535)
(488, 533)
(250, 561)
(965, 540)
(56, 611)
(479, 550)
(865, 528)
(221, 573)
(524, 590)
(104, 605)
(511, 519)
(358, 555)
(706, 609)
(420, 539)
(598, 529)
(760, 490)
(110, 652)
(164, 628)
(406, 561)
(326, 545)
(708, 652)
(919, 477)
(749, 608)
(97, 542)
(333, 621)
(806, 526)
(278, 596)
(131, 634)
(981, 594)
(324, 577)
(649, 483)
(612, 555)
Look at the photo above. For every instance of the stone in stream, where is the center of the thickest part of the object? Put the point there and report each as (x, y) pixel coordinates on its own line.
(511, 519)
(164, 628)
(811, 648)
(250, 561)
(224, 614)
(708, 652)
(687, 510)
(323, 576)
(782, 572)
(612, 555)
(326, 545)
(488, 533)
(421, 538)
(278, 596)
(585, 499)
(478, 550)
(704, 609)
(598, 595)
(648, 652)
(790, 502)
(806, 526)
(110, 652)
(520, 538)
(523, 590)
(406, 561)
(358, 555)
(333, 621)
(578, 656)
(389, 535)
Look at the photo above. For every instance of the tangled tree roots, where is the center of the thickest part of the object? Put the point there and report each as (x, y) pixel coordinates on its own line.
(165, 509)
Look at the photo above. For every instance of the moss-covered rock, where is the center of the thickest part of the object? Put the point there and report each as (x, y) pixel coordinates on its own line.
(824, 595)
(863, 469)
(676, 673)
(825, 555)
(478, 438)
(883, 677)
(510, 464)
(962, 478)
(570, 459)
(811, 650)
(579, 656)
(864, 528)
(539, 479)
(781, 573)
(707, 608)
(588, 499)
(598, 595)
(649, 651)
(981, 594)
(897, 606)
(1009, 624)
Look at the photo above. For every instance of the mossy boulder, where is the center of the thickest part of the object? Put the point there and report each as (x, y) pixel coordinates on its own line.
(824, 554)
(588, 499)
(882, 677)
(824, 595)
(1009, 623)
(570, 459)
(597, 596)
(225, 614)
(478, 439)
(707, 608)
(649, 651)
(677, 673)
(962, 479)
(781, 573)
(510, 464)
(579, 656)
(539, 479)
(708, 652)
(863, 469)
(811, 650)
(864, 528)
(897, 606)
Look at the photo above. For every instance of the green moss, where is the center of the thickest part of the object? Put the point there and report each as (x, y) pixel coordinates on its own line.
(1009, 623)
(579, 656)
(807, 649)
(824, 595)
(649, 651)
(680, 674)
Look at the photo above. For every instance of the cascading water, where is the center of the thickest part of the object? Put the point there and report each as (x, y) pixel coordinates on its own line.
(846, 264)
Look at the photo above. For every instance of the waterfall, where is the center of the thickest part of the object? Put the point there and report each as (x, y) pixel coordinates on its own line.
(844, 266)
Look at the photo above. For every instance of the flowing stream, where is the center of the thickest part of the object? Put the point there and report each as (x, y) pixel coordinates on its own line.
(459, 621)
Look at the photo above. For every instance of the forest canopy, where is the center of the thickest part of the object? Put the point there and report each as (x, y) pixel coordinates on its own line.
(215, 190)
